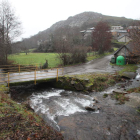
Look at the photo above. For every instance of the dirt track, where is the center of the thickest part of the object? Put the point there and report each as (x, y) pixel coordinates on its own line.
(100, 65)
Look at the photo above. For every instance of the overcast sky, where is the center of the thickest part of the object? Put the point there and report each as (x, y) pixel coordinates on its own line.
(38, 15)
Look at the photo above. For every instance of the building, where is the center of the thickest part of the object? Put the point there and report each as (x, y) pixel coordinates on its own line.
(124, 38)
(117, 33)
(128, 52)
(116, 28)
(87, 32)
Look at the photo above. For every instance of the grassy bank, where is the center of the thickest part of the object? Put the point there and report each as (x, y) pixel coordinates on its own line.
(32, 58)
(39, 58)
(128, 68)
(87, 82)
(17, 122)
(91, 57)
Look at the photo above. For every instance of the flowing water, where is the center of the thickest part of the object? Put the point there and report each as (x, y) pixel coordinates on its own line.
(65, 111)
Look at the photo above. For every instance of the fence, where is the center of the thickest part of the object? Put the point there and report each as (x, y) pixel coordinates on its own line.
(17, 73)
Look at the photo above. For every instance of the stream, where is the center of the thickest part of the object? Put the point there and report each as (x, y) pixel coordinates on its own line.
(65, 111)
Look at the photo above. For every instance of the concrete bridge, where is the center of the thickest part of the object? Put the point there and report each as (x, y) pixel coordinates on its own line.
(36, 75)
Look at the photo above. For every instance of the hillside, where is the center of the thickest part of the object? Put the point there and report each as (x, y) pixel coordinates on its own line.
(78, 22)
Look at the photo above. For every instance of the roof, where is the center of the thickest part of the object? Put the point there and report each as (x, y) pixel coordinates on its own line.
(119, 31)
(129, 47)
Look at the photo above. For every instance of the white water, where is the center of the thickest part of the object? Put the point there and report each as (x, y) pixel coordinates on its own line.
(138, 76)
(52, 104)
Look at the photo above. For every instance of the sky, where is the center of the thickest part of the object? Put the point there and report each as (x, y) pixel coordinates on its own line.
(38, 15)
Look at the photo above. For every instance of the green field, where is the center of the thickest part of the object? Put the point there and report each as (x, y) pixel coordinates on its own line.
(39, 58)
(35, 58)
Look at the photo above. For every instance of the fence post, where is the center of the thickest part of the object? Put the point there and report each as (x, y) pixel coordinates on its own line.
(19, 68)
(36, 66)
(57, 76)
(8, 79)
(35, 77)
(62, 71)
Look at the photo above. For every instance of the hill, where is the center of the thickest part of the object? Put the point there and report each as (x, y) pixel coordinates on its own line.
(78, 22)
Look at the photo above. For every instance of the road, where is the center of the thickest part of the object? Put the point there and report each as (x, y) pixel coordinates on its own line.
(101, 65)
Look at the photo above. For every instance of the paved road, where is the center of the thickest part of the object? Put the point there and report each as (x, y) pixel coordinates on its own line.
(101, 65)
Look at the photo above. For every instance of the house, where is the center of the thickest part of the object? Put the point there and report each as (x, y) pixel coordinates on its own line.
(133, 27)
(86, 33)
(128, 52)
(124, 38)
(116, 28)
(117, 33)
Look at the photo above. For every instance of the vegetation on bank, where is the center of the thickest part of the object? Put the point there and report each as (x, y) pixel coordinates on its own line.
(128, 68)
(92, 57)
(136, 90)
(17, 122)
(88, 82)
(40, 58)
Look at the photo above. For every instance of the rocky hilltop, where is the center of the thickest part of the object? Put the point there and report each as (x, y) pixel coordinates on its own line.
(80, 21)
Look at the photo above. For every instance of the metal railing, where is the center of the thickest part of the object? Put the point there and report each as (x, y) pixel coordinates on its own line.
(13, 74)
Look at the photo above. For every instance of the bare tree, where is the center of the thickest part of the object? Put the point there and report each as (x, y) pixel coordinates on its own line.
(10, 27)
(134, 33)
(102, 37)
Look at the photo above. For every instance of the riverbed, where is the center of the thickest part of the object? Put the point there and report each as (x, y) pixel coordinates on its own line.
(65, 111)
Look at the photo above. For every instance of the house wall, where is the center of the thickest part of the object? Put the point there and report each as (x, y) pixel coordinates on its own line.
(124, 39)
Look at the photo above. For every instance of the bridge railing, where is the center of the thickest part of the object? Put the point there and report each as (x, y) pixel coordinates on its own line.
(30, 75)
(20, 68)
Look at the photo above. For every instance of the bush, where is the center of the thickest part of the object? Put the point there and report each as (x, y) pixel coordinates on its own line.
(78, 54)
(45, 65)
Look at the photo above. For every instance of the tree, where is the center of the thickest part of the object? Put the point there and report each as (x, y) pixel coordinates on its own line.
(101, 37)
(10, 28)
(134, 34)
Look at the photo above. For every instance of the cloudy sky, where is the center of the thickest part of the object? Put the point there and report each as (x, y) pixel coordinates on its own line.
(38, 15)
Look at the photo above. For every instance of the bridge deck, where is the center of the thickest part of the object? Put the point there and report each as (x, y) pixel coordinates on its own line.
(30, 76)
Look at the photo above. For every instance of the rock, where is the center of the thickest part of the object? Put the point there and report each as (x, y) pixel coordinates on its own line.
(120, 91)
(89, 87)
(27, 105)
(64, 93)
(129, 75)
(72, 82)
(90, 108)
(86, 92)
(93, 91)
(95, 100)
(79, 86)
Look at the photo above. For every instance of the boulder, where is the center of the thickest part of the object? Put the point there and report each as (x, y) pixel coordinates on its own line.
(64, 93)
(120, 91)
(27, 105)
(93, 108)
(129, 75)
(72, 82)
(90, 108)
(95, 100)
(78, 86)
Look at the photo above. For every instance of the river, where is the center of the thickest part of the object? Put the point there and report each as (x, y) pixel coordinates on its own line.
(65, 111)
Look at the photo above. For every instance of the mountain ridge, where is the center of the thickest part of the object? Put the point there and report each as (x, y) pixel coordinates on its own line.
(80, 21)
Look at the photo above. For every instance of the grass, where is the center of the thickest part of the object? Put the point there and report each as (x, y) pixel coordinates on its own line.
(17, 122)
(39, 58)
(121, 98)
(136, 90)
(128, 68)
(95, 56)
(97, 82)
(33, 58)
